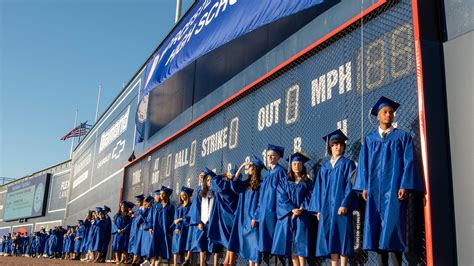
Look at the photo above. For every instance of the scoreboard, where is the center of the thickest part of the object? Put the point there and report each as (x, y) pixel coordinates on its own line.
(331, 84)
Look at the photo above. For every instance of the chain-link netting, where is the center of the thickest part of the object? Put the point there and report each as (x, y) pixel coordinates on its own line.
(332, 86)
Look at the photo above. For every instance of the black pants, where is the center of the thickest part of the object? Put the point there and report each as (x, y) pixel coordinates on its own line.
(382, 258)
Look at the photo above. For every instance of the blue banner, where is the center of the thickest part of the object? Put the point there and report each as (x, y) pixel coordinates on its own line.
(209, 25)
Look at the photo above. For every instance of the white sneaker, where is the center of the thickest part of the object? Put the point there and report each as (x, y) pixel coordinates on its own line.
(145, 263)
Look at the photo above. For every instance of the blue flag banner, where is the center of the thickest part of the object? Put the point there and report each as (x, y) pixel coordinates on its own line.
(209, 25)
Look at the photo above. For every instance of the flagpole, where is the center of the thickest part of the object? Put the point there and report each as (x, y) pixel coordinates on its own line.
(72, 141)
(97, 106)
(178, 11)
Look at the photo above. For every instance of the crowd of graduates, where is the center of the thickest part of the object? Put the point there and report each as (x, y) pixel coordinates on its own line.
(256, 211)
(58, 242)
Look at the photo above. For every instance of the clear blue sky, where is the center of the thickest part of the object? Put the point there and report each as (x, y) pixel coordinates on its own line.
(53, 56)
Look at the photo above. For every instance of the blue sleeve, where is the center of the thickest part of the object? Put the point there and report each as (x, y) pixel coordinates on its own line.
(195, 211)
(411, 178)
(148, 224)
(168, 217)
(309, 192)
(217, 184)
(284, 204)
(360, 181)
(315, 202)
(237, 186)
(348, 199)
(254, 214)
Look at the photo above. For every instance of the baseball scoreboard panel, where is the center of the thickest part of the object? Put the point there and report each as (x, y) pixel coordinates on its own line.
(27, 198)
(333, 85)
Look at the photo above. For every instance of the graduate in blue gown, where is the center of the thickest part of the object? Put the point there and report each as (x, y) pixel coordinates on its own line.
(193, 230)
(180, 226)
(161, 230)
(200, 214)
(70, 247)
(245, 228)
(121, 231)
(86, 238)
(267, 199)
(107, 233)
(332, 202)
(46, 243)
(90, 236)
(99, 235)
(292, 237)
(81, 230)
(223, 213)
(52, 245)
(42, 241)
(138, 219)
(146, 247)
(387, 171)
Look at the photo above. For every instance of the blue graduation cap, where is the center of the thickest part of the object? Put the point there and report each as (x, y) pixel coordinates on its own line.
(81, 222)
(335, 135)
(209, 172)
(381, 103)
(107, 209)
(298, 157)
(139, 197)
(277, 149)
(129, 204)
(98, 209)
(149, 199)
(258, 163)
(156, 192)
(167, 190)
(188, 191)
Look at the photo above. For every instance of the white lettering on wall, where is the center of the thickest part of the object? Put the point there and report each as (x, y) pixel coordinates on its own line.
(321, 88)
(214, 142)
(268, 115)
(114, 131)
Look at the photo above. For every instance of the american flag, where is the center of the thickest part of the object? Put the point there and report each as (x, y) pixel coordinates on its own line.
(80, 130)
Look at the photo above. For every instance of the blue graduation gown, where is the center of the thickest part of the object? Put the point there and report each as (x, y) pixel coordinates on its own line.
(70, 247)
(244, 236)
(90, 235)
(134, 243)
(385, 166)
(179, 240)
(293, 233)
(146, 248)
(332, 190)
(267, 216)
(85, 239)
(79, 239)
(52, 244)
(46, 245)
(65, 244)
(107, 234)
(162, 219)
(120, 240)
(60, 239)
(200, 239)
(192, 229)
(222, 214)
(98, 237)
